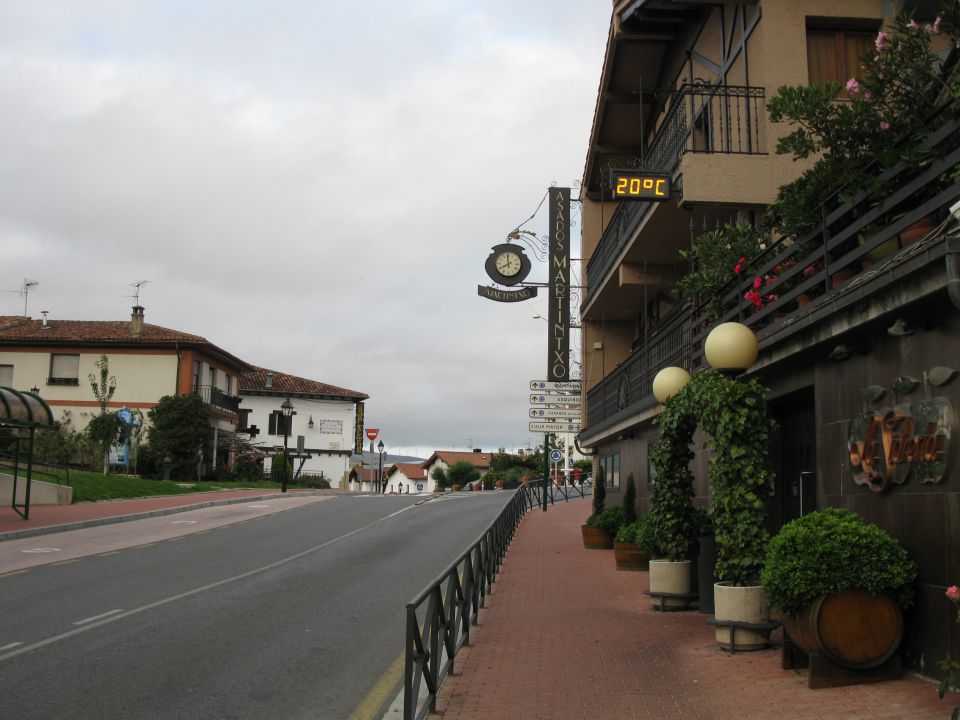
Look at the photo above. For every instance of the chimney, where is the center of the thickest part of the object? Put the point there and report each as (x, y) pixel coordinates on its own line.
(269, 382)
(136, 321)
(45, 313)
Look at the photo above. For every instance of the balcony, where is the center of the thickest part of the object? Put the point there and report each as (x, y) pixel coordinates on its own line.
(702, 119)
(217, 398)
(833, 283)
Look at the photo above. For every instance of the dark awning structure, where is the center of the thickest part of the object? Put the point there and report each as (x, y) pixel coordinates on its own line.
(24, 413)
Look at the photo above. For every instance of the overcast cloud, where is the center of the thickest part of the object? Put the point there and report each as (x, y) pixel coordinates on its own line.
(312, 186)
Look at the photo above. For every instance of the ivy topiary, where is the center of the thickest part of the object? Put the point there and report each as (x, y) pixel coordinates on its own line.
(599, 493)
(832, 550)
(643, 534)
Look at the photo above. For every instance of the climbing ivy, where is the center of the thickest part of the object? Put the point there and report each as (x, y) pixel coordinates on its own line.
(734, 415)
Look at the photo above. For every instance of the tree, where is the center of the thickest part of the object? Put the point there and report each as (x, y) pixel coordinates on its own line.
(179, 427)
(106, 428)
(439, 476)
(462, 473)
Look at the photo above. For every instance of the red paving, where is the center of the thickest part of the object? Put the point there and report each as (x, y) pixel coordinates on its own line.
(565, 636)
(55, 515)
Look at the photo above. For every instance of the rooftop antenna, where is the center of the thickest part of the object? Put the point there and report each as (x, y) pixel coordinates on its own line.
(136, 293)
(24, 292)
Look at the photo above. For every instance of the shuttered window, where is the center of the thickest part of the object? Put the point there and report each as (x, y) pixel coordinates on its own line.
(64, 370)
(277, 422)
(834, 55)
(6, 375)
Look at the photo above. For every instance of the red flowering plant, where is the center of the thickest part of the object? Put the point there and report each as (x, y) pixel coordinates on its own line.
(952, 667)
(756, 295)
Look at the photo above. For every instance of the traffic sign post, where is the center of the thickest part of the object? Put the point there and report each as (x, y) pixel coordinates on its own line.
(553, 427)
(546, 385)
(548, 412)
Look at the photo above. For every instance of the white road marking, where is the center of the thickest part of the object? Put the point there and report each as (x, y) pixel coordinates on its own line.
(41, 550)
(98, 617)
(113, 615)
(10, 646)
(258, 506)
(184, 522)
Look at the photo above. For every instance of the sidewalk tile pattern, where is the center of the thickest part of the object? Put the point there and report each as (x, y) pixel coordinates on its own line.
(565, 636)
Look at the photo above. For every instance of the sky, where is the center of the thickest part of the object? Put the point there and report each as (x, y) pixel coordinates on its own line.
(311, 186)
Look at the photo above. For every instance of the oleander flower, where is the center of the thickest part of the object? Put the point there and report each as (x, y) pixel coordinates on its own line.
(953, 593)
(853, 86)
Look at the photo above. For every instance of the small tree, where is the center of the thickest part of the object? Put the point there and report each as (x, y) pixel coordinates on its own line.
(630, 501)
(462, 473)
(439, 476)
(179, 427)
(599, 492)
(104, 429)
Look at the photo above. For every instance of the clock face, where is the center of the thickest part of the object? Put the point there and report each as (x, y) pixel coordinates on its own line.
(508, 264)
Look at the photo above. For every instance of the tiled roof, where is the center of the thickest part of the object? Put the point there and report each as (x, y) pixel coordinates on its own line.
(477, 459)
(79, 331)
(413, 471)
(369, 474)
(256, 381)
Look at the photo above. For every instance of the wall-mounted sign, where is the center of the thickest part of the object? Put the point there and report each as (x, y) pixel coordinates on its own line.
(558, 312)
(492, 293)
(358, 430)
(899, 443)
(636, 185)
(507, 264)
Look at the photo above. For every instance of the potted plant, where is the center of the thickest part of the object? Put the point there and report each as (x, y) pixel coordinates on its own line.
(595, 538)
(632, 544)
(831, 565)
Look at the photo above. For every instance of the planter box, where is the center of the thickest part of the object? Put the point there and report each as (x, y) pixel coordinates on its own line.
(670, 584)
(629, 557)
(736, 609)
(596, 538)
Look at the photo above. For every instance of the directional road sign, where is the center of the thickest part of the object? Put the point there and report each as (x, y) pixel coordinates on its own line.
(547, 427)
(555, 413)
(541, 385)
(555, 399)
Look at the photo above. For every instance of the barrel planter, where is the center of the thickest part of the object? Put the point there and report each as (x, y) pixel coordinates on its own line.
(630, 557)
(851, 628)
(595, 538)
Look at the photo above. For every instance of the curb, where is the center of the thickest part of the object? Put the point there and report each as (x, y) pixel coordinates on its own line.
(113, 519)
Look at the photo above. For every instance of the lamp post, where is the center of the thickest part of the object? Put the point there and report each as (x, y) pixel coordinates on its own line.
(287, 409)
(380, 485)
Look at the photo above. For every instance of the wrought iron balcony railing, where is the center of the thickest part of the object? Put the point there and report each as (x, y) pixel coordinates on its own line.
(699, 119)
(814, 277)
(217, 397)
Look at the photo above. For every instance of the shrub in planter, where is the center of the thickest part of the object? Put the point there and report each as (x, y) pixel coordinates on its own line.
(643, 534)
(610, 520)
(626, 552)
(833, 550)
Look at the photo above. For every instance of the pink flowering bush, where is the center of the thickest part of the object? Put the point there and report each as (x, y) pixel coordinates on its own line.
(952, 667)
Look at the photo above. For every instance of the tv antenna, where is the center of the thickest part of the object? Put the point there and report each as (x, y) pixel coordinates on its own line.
(136, 293)
(24, 292)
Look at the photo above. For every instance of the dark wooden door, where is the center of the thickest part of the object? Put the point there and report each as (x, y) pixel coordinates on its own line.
(794, 491)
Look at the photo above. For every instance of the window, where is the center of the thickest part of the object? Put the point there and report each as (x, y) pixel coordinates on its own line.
(277, 422)
(213, 377)
(64, 370)
(6, 375)
(611, 470)
(196, 375)
(834, 55)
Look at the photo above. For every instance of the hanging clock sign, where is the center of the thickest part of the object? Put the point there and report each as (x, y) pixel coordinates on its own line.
(637, 185)
(507, 264)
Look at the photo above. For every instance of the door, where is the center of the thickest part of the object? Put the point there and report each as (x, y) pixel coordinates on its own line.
(795, 461)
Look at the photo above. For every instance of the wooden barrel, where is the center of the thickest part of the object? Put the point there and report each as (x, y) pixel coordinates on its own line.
(851, 628)
(595, 538)
(628, 557)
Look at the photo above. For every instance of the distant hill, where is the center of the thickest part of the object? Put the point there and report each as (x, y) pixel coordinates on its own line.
(373, 459)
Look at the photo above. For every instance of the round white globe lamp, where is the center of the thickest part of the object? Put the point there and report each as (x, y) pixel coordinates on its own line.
(668, 382)
(731, 347)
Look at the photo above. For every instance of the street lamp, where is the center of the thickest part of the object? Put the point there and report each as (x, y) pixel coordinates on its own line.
(380, 485)
(731, 348)
(287, 409)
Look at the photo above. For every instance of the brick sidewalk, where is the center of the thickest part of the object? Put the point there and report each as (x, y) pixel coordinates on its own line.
(565, 636)
(55, 517)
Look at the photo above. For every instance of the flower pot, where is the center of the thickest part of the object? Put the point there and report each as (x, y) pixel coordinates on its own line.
(919, 230)
(745, 604)
(851, 628)
(802, 300)
(670, 578)
(595, 538)
(841, 278)
(630, 557)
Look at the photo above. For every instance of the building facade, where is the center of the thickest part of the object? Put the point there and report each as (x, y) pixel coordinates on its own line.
(683, 94)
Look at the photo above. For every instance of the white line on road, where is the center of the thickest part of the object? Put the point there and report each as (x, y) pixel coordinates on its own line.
(258, 506)
(98, 617)
(41, 550)
(184, 522)
(10, 646)
(114, 615)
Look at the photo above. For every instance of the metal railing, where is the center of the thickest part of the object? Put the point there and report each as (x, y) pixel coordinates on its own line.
(440, 617)
(218, 398)
(849, 231)
(699, 119)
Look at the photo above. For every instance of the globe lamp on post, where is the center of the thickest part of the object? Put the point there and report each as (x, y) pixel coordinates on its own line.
(668, 382)
(731, 348)
(286, 407)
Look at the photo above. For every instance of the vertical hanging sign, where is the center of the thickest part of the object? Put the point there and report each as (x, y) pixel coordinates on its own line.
(358, 431)
(558, 315)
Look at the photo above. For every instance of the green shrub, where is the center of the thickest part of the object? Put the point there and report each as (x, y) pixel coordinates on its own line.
(610, 520)
(630, 501)
(599, 493)
(626, 533)
(833, 550)
(643, 534)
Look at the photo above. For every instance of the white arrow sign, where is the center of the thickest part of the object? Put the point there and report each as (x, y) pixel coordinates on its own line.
(554, 412)
(541, 385)
(554, 399)
(554, 427)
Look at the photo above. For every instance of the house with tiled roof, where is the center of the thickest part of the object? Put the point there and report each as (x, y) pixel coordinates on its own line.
(405, 478)
(55, 357)
(324, 416)
(363, 478)
(445, 458)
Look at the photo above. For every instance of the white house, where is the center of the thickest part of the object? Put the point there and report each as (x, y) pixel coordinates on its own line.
(403, 478)
(324, 415)
(445, 458)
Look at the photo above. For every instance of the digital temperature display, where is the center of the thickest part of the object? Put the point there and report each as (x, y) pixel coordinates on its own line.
(635, 185)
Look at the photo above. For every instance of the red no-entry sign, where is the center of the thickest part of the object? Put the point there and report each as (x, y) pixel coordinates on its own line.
(372, 433)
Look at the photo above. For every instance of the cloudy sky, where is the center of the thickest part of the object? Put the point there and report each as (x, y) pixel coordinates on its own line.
(313, 186)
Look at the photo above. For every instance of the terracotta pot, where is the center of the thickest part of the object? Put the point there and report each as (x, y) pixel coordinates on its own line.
(919, 230)
(802, 299)
(841, 278)
(630, 557)
(595, 538)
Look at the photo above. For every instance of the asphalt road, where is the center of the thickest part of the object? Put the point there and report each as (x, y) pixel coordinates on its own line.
(292, 615)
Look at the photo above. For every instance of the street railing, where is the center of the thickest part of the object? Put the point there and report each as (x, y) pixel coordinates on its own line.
(440, 617)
